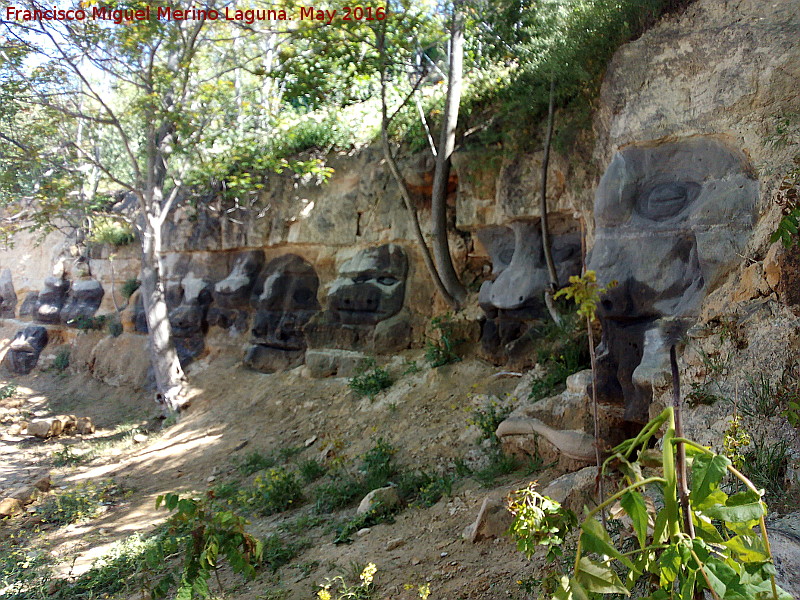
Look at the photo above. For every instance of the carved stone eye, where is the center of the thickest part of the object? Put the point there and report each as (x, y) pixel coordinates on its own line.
(387, 280)
(301, 296)
(666, 200)
(506, 256)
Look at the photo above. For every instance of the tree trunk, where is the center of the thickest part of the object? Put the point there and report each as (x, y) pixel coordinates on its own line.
(169, 376)
(398, 177)
(441, 247)
(546, 245)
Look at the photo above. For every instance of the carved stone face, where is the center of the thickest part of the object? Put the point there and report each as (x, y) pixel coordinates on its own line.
(83, 300)
(51, 300)
(370, 287)
(516, 297)
(284, 304)
(188, 319)
(25, 348)
(671, 219)
(235, 290)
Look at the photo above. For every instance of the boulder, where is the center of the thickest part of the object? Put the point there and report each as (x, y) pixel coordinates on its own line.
(84, 426)
(493, 520)
(10, 507)
(381, 500)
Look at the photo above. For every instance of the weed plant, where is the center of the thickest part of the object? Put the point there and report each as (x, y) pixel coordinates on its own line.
(276, 490)
(254, 462)
(107, 230)
(82, 502)
(488, 418)
(311, 470)
(61, 361)
(8, 390)
(442, 350)
(370, 379)
(129, 287)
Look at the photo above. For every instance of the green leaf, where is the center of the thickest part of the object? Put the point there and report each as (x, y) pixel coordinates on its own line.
(599, 577)
(707, 472)
(687, 588)
(634, 505)
(736, 514)
(747, 548)
(669, 565)
(660, 528)
(595, 539)
(725, 581)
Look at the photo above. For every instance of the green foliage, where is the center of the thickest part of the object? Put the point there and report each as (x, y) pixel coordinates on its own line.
(759, 398)
(110, 230)
(422, 489)
(765, 465)
(586, 293)
(735, 440)
(488, 418)
(557, 367)
(500, 464)
(114, 327)
(370, 379)
(204, 535)
(539, 521)
(61, 361)
(338, 589)
(276, 490)
(277, 552)
(442, 350)
(727, 556)
(129, 287)
(377, 515)
(8, 391)
(84, 501)
(255, 461)
(788, 198)
(311, 470)
(87, 323)
(24, 574)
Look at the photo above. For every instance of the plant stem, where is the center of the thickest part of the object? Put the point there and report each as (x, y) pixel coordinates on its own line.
(683, 488)
(592, 359)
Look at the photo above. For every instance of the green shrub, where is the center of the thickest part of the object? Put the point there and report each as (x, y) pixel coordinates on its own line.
(256, 461)
(108, 230)
(129, 287)
(442, 351)
(85, 323)
(370, 379)
(277, 552)
(276, 490)
(377, 465)
(311, 470)
(114, 327)
(488, 418)
(8, 390)
(61, 361)
(82, 502)
(341, 491)
(419, 488)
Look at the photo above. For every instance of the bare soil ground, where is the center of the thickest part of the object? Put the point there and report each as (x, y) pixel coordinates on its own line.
(235, 412)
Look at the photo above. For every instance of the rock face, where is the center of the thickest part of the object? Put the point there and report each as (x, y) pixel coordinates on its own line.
(82, 301)
(283, 304)
(672, 216)
(24, 351)
(188, 319)
(515, 299)
(232, 294)
(364, 304)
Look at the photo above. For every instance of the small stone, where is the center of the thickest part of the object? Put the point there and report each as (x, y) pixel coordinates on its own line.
(43, 484)
(211, 479)
(393, 544)
(44, 428)
(363, 532)
(415, 561)
(103, 531)
(140, 438)
(443, 554)
(310, 441)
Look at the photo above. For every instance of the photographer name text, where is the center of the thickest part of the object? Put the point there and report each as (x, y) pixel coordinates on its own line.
(168, 13)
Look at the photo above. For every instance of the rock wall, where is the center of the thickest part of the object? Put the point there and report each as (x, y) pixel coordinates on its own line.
(708, 85)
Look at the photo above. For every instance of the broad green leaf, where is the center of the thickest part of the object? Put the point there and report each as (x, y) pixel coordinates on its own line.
(736, 514)
(747, 548)
(595, 539)
(570, 589)
(634, 505)
(706, 530)
(725, 581)
(660, 528)
(599, 577)
(707, 472)
(669, 565)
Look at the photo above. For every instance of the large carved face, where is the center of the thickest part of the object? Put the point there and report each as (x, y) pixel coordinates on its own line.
(671, 219)
(284, 304)
(235, 290)
(51, 300)
(8, 297)
(188, 319)
(83, 300)
(516, 296)
(25, 348)
(370, 287)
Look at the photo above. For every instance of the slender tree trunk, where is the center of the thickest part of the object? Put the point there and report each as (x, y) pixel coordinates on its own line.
(596, 418)
(441, 247)
(404, 193)
(546, 245)
(169, 376)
